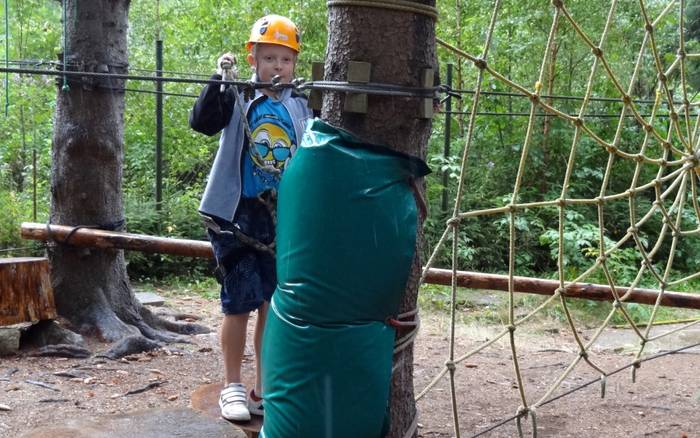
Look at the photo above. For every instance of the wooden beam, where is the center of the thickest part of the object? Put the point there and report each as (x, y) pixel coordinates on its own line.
(25, 290)
(94, 238)
(589, 291)
(474, 280)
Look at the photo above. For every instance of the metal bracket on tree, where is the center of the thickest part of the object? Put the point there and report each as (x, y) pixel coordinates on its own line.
(358, 73)
(102, 79)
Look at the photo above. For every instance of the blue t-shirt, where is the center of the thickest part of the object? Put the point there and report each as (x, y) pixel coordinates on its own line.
(275, 142)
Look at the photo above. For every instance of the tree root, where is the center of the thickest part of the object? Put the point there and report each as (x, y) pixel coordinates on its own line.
(176, 327)
(126, 323)
(49, 333)
(130, 345)
(63, 350)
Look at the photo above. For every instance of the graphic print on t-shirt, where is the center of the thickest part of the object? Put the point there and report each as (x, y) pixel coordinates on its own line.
(274, 143)
(272, 146)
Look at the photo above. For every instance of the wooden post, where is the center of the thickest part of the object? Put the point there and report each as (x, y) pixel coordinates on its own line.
(25, 290)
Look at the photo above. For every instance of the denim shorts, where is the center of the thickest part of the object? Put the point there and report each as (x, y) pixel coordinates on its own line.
(247, 275)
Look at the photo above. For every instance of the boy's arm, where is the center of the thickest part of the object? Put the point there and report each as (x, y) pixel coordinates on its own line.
(213, 109)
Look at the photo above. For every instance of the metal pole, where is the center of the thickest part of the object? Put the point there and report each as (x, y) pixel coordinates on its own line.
(159, 125)
(7, 59)
(448, 131)
(34, 181)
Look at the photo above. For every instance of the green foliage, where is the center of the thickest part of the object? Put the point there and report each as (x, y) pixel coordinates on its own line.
(13, 212)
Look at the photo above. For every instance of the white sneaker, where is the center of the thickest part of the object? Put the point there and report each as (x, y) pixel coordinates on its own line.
(232, 402)
(255, 404)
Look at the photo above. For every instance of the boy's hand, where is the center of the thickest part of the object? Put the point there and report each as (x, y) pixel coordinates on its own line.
(225, 61)
(226, 67)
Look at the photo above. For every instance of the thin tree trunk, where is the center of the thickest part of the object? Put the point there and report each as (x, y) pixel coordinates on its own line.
(551, 75)
(399, 46)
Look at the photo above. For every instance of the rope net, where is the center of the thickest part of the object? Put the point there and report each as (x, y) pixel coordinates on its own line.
(669, 146)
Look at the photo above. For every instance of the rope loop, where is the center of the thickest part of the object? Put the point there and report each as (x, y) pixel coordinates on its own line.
(480, 63)
(520, 413)
(109, 226)
(450, 365)
(533, 417)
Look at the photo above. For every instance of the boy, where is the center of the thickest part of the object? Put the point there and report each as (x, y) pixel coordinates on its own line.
(240, 190)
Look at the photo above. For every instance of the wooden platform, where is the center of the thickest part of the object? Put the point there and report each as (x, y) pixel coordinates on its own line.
(205, 399)
(25, 290)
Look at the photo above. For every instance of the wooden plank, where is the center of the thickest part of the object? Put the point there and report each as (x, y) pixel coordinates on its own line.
(205, 399)
(25, 290)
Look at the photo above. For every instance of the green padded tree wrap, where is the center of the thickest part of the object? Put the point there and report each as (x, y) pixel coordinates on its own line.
(346, 240)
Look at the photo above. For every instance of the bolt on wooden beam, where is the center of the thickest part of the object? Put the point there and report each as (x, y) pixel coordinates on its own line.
(425, 111)
(316, 96)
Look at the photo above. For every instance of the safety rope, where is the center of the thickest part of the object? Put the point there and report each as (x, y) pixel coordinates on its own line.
(65, 88)
(442, 89)
(390, 5)
(298, 84)
(268, 199)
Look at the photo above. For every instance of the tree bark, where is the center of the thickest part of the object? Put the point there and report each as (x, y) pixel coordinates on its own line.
(551, 76)
(91, 286)
(399, 46)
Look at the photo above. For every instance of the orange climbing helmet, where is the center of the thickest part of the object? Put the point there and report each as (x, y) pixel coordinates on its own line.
(275, 29)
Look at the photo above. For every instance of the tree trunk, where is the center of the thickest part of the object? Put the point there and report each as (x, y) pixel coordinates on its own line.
(399, 46)
(551, 76)
(91, 286)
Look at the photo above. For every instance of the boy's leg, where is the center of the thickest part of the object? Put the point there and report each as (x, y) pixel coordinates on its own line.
(259, 331)
(233, 339)
(255, 401)
(233, 398)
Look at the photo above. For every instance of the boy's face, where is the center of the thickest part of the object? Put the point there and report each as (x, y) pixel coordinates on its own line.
(273, 60)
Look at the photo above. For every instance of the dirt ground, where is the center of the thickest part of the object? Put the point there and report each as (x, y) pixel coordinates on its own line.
(664, 401)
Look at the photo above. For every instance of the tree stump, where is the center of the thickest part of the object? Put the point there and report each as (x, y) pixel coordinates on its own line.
(205, 399)
(25, 290)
